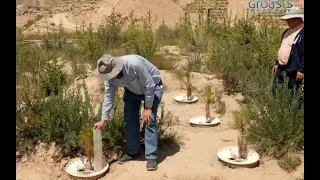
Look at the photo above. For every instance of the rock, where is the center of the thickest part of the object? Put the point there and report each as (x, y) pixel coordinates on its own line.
(18, 154)
(42, 159)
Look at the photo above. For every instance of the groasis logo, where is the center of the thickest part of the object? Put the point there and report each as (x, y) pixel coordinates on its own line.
(270, 5)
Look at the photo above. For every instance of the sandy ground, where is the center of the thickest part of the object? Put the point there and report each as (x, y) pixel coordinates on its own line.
(194, 159)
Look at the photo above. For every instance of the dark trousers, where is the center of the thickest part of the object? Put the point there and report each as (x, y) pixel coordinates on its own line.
(293, 83)
(132, 124)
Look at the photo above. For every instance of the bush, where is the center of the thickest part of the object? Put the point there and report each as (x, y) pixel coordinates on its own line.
(290, 162)
(165, 35)
(58, 118)
(167, 135)
(274, 114)
(110, 33)
(244, 54)
(142, 42)
(90, 45)
(113, 134)
(52, 79)
(195, 62)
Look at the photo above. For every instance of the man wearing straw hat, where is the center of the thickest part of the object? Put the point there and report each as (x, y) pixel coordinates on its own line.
(142, 82)
(290, 60)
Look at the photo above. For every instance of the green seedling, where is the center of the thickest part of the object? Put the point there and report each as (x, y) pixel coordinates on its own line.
(185, 78)
(209, 100)
(241, 119)
(86, 138)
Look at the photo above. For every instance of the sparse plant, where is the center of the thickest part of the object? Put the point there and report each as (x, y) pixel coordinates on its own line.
(113, 137)
(164, 35)
(221, 107)
(290, 162)
(188, 85)
(194, 63)
(86, 138)
(52, 79)
(241, 119)
(209, 95)
(276, 112)
(110, 33)
(90, 45)
(167, 135)
(142, 42)
(185, 77)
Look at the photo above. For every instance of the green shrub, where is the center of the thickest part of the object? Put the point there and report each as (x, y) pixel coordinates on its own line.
(195, 62)
(244, 54)
(167, 135)
(86, 140)
(290, 162)
(113, 134)
(57, 118)
(165, 35)
(90, 45)
(52, 79)
(142, 42)
(278, 126)
(109, 34)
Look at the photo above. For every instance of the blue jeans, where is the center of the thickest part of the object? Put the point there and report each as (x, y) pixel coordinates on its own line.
(132, 126)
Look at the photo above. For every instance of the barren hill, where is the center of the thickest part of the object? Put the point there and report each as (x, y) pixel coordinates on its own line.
(72, 12)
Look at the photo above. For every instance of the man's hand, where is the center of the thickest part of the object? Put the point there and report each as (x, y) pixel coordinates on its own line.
(274, 69)
(147, 115)
(300, 76)
(99, 125)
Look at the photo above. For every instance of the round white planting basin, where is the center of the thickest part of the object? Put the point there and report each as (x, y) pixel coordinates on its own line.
(202, 121)
(228, 157)
(76, 168)
(184, 99)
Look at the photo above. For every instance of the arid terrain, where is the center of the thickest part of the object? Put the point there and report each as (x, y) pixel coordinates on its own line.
(70, 13)
(194, 159)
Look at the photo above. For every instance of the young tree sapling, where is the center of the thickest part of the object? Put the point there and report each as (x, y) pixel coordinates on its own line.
(241, 118)
(209, 99)
(86, 138)
(185, 77)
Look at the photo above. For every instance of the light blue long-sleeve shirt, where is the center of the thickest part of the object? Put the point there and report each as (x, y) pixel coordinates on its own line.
(139, 76)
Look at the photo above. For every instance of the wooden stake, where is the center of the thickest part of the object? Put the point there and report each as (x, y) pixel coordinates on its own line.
(97, 143)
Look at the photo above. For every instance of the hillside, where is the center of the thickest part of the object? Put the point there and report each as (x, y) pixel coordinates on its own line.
(72, 12)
